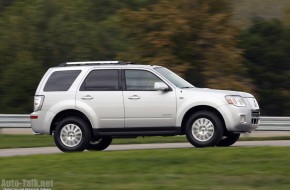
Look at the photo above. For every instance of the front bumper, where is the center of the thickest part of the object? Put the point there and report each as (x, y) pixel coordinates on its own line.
(240, 119)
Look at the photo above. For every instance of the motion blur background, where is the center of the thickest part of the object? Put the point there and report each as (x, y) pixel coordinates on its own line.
(227, 44)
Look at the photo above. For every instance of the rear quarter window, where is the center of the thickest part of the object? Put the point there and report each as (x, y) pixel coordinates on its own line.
(61, 80)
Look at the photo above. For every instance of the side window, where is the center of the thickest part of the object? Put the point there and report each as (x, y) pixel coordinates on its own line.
(139, 80)
(61, 80)
(101, 80)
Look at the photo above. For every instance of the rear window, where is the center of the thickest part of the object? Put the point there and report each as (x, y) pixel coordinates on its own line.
(101, 80)
(61, 80)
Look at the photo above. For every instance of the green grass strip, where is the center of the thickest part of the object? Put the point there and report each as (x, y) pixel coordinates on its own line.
(235, 168)
(24, 141)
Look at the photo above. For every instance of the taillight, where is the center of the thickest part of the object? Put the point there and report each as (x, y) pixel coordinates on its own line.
(38, 101)
(33, 116)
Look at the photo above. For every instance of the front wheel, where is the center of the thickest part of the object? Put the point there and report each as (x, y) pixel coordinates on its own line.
(98, 144)
(204, 129)
(229, 139)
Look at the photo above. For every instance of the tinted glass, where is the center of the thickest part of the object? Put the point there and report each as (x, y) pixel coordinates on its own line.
(140, 80)
(174, 78)
(101, 80)
(61, 80)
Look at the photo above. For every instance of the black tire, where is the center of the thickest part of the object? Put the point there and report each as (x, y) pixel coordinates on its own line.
(208, 130)
(99, 144)
(229, 139)
(78, 134)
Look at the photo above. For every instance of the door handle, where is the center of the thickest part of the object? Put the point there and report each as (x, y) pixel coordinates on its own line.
(87, 97)
(134, 97)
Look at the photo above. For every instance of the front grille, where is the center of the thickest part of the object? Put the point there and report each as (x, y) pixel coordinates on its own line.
(255, 116)
(255, 121)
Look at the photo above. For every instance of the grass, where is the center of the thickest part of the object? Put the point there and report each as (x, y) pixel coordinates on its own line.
(25, 141)
(264, 168)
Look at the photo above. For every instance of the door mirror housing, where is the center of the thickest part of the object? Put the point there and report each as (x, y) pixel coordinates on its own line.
(161, 86)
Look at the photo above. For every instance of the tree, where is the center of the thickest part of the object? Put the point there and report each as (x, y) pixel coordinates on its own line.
(194, 38)
(4, 4)
(38, 34)
(267, 48)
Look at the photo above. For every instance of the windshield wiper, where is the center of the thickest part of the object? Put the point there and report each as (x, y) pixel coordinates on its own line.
(187, 87)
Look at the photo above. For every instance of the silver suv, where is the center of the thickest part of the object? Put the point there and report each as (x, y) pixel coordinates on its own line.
(87, 104)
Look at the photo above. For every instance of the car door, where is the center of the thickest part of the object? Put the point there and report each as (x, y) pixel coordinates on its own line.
(100, 95)
(145, 106)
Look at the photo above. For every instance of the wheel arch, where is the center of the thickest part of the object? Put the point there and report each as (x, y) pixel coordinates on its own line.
(68, 113)
(201, 108)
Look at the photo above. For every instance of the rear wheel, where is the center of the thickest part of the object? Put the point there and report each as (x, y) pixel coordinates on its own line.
(229, 139)
(204, 129)
(98, 144)
(72, 134)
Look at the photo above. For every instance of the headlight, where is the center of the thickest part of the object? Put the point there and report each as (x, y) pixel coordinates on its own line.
(236, 100)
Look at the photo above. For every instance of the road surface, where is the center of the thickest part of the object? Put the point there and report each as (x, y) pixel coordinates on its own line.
(51, 150)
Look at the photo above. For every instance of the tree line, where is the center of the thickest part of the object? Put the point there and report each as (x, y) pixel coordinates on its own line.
(195, 38)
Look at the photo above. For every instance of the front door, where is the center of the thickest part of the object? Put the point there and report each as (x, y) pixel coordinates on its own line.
(145, 106)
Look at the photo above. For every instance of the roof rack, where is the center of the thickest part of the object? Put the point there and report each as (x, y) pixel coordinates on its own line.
(80, 63)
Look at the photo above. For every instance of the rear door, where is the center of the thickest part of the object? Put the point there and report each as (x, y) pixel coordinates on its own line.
(101, 94)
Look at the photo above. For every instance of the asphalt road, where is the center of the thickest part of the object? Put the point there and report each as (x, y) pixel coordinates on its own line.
(51, 150)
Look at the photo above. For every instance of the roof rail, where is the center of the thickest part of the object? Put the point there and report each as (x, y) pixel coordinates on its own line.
(94, 63)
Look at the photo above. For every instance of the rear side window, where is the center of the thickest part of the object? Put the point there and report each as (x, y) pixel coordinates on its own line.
(61, 80)
(101, 80)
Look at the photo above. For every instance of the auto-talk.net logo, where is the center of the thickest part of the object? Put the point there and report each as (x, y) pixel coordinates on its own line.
(26, 184)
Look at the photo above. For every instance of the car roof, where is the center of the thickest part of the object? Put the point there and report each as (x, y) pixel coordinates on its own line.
(104, 64)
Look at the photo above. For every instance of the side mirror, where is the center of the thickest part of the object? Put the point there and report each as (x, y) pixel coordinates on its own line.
(161, 86)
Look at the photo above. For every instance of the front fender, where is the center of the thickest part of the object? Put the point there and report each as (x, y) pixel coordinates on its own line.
(185, 106)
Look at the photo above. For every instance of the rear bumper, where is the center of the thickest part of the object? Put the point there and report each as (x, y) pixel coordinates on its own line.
(41, 121)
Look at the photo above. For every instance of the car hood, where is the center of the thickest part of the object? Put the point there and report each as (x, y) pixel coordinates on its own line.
(215, 91)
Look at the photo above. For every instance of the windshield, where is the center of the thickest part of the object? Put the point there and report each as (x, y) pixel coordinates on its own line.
(173, 78)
